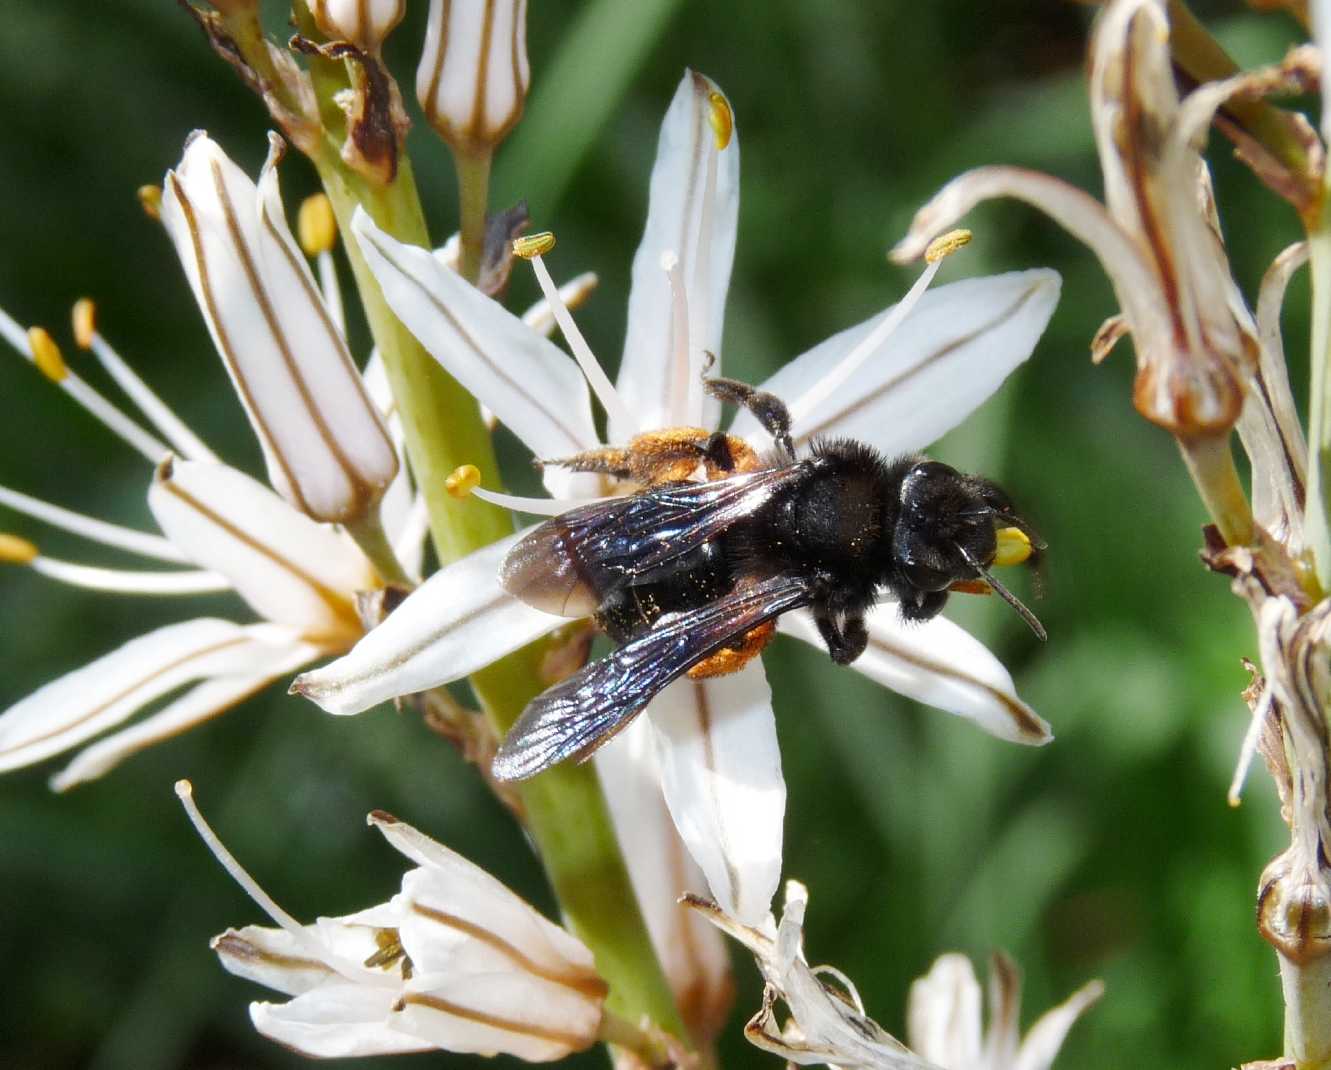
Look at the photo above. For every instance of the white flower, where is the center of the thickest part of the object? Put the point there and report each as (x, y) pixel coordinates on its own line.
(365, 23)
(455, 961)
(943, 1018)
(473, 75)
(825, 1022)
(327, 449)
(716, 742)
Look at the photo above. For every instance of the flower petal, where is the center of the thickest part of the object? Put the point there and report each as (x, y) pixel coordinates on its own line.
(1046, 1036)
(272, 657)
(939, 664)
(1004, 1033)
(292, 570)
(326, 447)
(114, 687)
(949, 355)
(457, 621)
(693, 211)
(451, 1012)
(943, 1013)
(530, 385)
(336, 1020)
(721, 777)
(691, 952)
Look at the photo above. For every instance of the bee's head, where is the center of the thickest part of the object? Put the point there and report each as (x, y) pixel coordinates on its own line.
(948, 530)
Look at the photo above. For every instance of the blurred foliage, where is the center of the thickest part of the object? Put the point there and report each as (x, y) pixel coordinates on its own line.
(1110, 853)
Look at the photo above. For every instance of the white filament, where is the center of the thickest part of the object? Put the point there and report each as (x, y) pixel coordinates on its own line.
(138, 542)
(307, 940)
(535, 506)
(172, 427)
(681, 382)
(850, 363)
(332, 291)
(541, 319)
(1249, 748)
(122, 581)
(596, 378)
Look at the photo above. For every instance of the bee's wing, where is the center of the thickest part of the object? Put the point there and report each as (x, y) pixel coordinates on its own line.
(576, 716)
(569, 563)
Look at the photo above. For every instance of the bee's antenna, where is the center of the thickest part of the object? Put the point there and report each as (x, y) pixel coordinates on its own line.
(1011, 599)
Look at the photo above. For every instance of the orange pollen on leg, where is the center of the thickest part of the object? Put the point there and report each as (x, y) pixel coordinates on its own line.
(675, 453)
(733, 658)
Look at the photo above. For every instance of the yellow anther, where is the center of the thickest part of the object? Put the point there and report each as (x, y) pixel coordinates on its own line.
(84, 318)
(46, 354)
(463, 480)
(1014, 547)
(530, 245)
(16, 551)
(720, 118)
(316, 225)
(946, 245)
(150, 198)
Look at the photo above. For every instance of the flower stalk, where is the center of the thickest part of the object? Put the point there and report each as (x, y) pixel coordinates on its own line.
(443, 429)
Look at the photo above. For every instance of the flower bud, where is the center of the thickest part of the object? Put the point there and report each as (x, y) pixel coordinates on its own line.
(473, 76)
(327, 450)
(365, 23)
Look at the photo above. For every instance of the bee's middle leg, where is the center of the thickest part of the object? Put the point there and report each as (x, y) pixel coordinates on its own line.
(769, 410)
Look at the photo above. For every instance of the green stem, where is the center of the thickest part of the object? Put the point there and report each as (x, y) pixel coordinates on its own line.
(566, 811)
(368, 532)
(473, 193)
(1210, 462)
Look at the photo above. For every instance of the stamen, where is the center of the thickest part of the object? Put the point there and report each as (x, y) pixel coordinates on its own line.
(535, 506)
(85, 322)
(832, 381)
(946, 244)
(138, 542)
(159, 414)
(316, 227)
(573, 293)
(46, 354)
(150, 200)
(16, 551)
(293, 928)
(111, 417)
(699, 316)
(1249, 748)
(591, 370)
(720, 118)
(681, 381)
(463, 480)
(1014, 547)
(531, 245)
(124, 581)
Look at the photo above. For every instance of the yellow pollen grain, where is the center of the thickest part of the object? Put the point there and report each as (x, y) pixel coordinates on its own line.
(316, 225)
(16, 551)
(720, 118)
(84, 319)
(1014, 547)
(150, 199)
(946, 245)
(530, 245)
(46, 354)
(463, 480)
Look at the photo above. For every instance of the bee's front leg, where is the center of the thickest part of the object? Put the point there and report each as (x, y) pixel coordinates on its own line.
(844, 633)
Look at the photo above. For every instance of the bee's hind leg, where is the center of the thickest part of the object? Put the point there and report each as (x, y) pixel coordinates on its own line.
(607, 461)
(769, 410)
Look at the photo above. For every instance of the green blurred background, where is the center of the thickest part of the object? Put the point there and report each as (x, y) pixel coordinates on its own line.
(1111, 853)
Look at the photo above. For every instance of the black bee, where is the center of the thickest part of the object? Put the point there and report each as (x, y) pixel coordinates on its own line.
(690, 577)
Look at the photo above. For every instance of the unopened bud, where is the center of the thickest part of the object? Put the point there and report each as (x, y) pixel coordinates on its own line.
(473, 76)
(365, 23)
